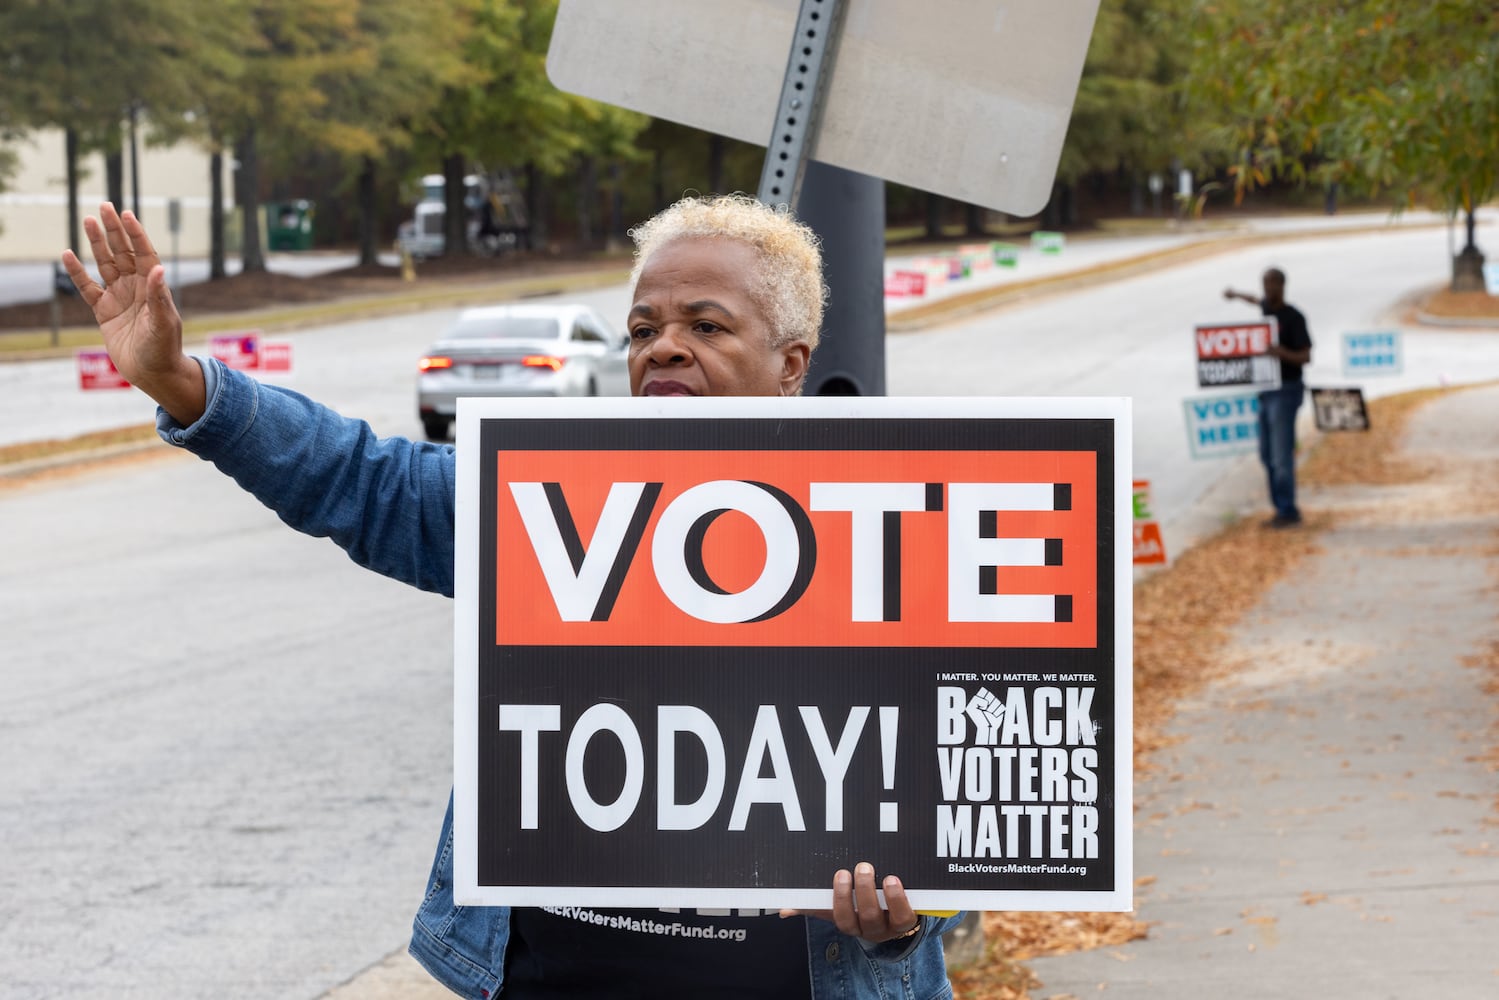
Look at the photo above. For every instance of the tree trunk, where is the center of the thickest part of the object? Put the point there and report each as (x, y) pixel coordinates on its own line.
(658, 182)
(70, 153)
(538, 209)
(368, 252)
(114, 177)
(716, 147)
(135, 160)
(933, 216)
(61, 283)
(588, 197)
(617, 235)
(455, 213)
(252, 253)
(216, 212)
(973, 220)
(1059, 211)
(1467, 266)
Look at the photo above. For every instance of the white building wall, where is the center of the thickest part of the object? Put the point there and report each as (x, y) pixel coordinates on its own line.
(34, 204)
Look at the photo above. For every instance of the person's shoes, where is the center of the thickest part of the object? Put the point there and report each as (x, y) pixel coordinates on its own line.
(1283, 521)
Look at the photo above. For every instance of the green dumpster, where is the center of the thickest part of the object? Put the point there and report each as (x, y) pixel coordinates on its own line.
(288, 224)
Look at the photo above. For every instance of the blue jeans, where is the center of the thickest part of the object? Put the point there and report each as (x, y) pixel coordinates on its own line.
(1278, 445)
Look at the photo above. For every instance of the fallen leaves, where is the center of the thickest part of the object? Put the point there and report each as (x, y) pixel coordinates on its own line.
(1488, 663)
(1372, 457)
(1032, 935)
(28, 463)
(1181, 642)
(1180, 638)
(1461, 305)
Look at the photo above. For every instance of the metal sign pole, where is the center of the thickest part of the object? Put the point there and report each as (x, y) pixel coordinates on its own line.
(845, 208)
(808, 68)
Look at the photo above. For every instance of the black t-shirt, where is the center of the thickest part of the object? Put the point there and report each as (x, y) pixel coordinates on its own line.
(582, 951)
(1293, 335)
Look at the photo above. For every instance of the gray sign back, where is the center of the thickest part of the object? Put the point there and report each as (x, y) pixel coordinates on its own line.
(964, 98)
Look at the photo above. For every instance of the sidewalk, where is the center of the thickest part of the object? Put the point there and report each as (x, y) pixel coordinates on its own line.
(1327, 824)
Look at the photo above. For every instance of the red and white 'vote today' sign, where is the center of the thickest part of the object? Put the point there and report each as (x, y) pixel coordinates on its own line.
(1234, 354)
(698, 658)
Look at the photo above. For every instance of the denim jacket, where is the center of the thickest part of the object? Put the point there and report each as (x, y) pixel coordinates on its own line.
(389, 503)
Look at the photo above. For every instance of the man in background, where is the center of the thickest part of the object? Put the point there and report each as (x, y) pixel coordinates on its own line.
(1278, 406)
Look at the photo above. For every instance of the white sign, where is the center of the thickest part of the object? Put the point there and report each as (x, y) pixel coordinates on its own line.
(1340, 409)
(1231, 354)
(799, 633)
(965, 98)
(1223, 424)
(1378, 353)
(1046, 242)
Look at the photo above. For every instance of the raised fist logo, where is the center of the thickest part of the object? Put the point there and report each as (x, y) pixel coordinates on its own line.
(987, 712)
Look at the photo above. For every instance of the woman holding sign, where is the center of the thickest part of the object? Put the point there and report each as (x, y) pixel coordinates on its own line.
(727, 300)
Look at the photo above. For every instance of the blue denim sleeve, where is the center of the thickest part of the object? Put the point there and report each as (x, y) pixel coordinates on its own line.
(387, 502)
(902, 948)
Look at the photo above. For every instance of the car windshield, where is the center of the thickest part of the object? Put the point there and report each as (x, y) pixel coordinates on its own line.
(505, 328)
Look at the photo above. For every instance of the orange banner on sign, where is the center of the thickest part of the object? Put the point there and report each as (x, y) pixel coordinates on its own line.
(1150, 550)
(801, 548)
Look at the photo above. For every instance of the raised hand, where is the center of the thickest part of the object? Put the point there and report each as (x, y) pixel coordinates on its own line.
(140, 324)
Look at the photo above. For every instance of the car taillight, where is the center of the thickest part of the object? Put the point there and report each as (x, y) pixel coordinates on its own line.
(428, 364)
(543, 361)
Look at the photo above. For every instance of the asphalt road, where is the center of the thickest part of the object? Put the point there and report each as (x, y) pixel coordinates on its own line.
(1134, 338)
(233, 747)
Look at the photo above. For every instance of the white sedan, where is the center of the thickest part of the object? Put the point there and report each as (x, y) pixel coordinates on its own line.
(520, 350)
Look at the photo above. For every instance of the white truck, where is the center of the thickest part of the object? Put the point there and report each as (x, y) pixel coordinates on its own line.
(496, 217)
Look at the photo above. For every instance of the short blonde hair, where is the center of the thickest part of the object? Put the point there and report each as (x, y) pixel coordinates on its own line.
(789, 285)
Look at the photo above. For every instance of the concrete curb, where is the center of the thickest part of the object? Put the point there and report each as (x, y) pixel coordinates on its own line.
(19, 472)
(1457, 322)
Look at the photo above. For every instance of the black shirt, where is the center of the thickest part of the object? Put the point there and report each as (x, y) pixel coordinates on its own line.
(1293, 335)
(589, 951)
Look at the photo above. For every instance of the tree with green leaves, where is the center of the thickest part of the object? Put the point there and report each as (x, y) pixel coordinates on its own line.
(402, 60)
(1400, 99)
(7, 156)
(278, 98)
(54, 72)
(505, 113)
(1128, 119)
(281, 75)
